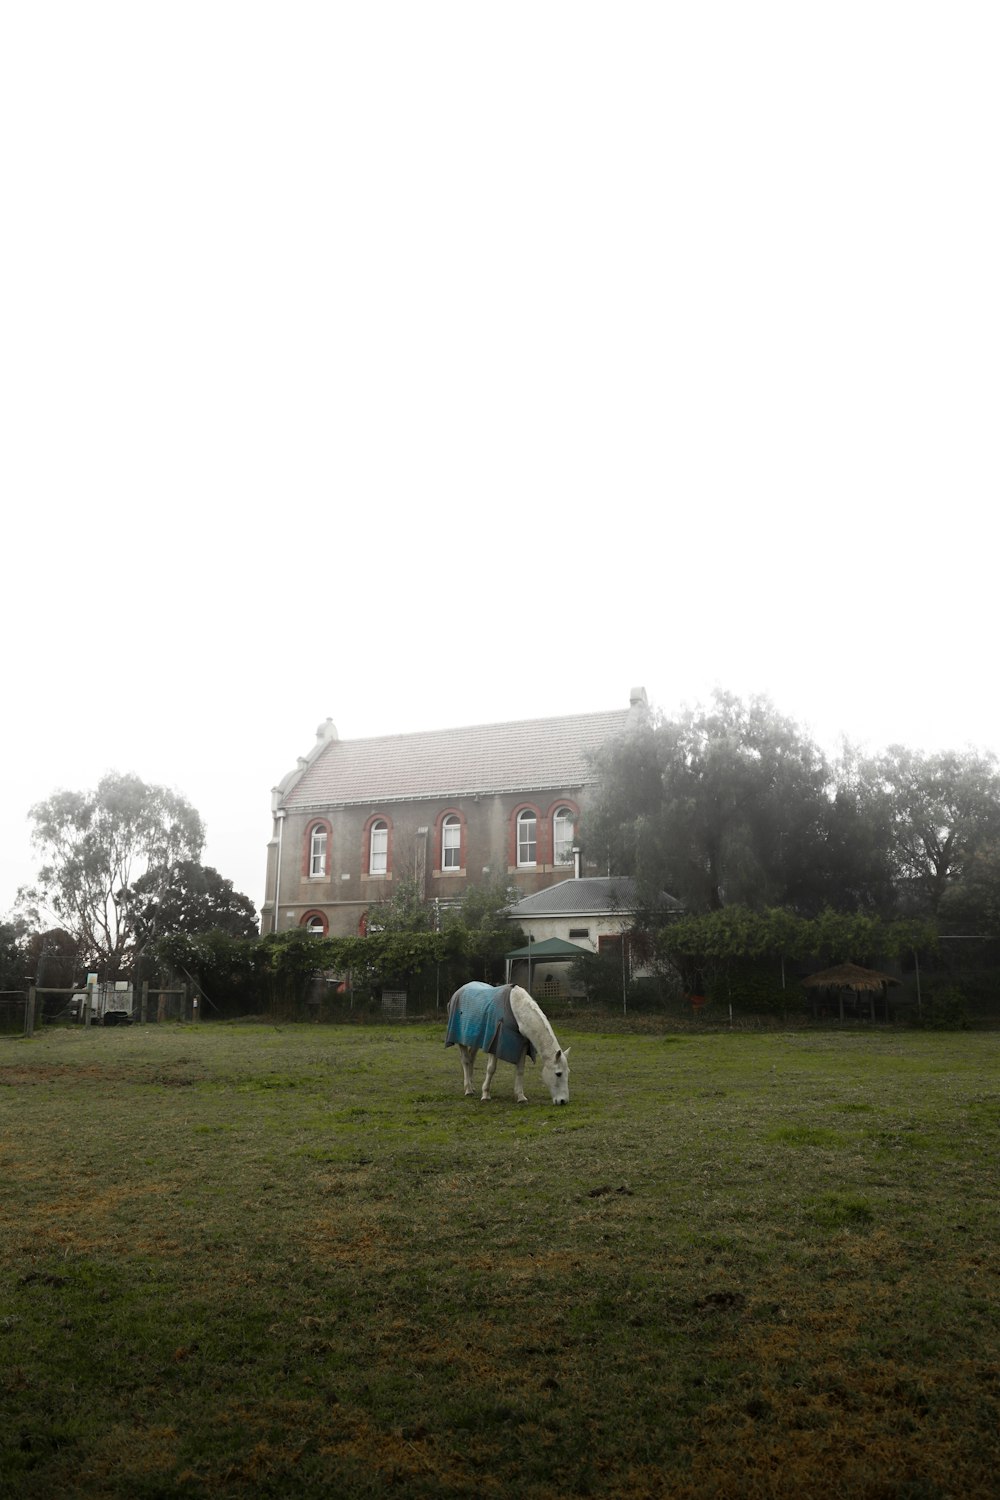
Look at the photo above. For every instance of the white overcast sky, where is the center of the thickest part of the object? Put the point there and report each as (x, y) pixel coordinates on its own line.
(425, 364)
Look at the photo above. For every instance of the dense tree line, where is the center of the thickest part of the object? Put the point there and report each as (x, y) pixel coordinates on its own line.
(770, 846)
(732, 804)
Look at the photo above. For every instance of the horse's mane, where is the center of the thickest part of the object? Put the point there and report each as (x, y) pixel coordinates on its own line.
(538, 1028)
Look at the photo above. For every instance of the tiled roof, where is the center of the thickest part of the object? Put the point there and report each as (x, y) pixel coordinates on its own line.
(592, 895)
(528, 755)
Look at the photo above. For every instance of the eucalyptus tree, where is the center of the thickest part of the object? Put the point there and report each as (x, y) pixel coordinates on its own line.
(944, 820)
(95, 846)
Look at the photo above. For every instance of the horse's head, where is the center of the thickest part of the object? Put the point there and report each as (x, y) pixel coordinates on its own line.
(555, 1076)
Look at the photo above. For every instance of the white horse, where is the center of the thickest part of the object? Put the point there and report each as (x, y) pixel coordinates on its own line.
(508, 1024)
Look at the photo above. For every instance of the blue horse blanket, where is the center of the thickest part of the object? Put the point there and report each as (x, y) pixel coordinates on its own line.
(479, 1015)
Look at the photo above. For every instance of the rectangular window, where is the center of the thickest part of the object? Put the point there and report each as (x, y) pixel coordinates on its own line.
(380, 850)
(562, 837)
(526, 843)
(317, 852)
(451, 845)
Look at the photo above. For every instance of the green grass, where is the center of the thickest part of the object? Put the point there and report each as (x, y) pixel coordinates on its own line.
(249, 1261)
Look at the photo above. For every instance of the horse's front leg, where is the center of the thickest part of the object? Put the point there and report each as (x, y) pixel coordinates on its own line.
(491, 1067)
(519, 1094)
(468, 1055)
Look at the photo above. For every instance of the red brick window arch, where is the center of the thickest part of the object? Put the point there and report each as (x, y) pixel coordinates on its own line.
(449, 840)
(315, 924)
(376, 847)
(316, 849)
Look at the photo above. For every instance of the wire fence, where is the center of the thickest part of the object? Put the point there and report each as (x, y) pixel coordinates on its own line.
(13, 1004)
(23, 1011)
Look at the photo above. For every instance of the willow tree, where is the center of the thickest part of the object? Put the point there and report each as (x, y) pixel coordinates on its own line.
(722, 804)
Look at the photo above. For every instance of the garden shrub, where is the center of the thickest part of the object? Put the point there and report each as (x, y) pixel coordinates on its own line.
(943, 1008)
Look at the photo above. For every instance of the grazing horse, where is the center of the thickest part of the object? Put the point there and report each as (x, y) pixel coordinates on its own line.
(509, 1025)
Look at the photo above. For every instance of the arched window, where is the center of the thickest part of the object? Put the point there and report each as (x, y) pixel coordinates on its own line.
(527, 837)
(563, 831)
(451, 843)
(378, 849)
(315, 924)
(318, 844)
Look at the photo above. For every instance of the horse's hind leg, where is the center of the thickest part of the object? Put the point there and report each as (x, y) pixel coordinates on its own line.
(468, 1055)
(491, 1067)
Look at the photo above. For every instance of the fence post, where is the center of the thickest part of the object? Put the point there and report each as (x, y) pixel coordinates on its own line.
(29, 1012)
(144, 1002)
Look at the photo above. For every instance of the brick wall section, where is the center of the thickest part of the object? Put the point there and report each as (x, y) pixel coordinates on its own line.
(483, 775)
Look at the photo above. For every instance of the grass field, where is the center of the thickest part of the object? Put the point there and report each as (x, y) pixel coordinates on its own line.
(247, 1261)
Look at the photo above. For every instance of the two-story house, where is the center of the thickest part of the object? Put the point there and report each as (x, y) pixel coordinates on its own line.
(447, 809)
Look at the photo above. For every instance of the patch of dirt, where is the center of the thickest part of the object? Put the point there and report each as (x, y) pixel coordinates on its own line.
(724, 1301)
(48, 1072)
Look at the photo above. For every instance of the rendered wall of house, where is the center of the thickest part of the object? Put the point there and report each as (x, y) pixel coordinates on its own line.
(567, 928)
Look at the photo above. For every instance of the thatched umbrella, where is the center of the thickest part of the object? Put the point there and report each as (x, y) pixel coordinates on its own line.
(851, 977)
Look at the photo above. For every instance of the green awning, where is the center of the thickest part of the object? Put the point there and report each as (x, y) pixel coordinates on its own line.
(551, 948)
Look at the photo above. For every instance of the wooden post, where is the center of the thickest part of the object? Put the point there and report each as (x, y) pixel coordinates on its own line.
(86, 1012)
(624, 986)
(29, 1012)
(144, 1003)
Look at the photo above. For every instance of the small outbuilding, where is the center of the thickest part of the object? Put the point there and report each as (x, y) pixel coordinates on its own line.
(587, 915)
(853, 979)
